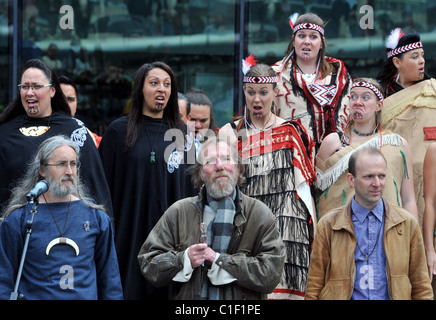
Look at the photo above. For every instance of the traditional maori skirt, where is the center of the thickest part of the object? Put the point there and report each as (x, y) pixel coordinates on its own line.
(278, 163)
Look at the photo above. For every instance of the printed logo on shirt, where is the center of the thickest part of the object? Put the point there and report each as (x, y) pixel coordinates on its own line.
(174, 161)
(86, 226)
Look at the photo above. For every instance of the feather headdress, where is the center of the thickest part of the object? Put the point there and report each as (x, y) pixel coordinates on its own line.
(248, 63)
(394, 37)
(293, 19)
(411, 42)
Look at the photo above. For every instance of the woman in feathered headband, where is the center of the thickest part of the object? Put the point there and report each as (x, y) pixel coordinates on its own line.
(405, 62)
(279, 158)
(313, 88)
(410, 107)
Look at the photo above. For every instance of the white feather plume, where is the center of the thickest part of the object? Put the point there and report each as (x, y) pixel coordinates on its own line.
(394, 37)
(292, 19)
(247, 63)
(245, 67)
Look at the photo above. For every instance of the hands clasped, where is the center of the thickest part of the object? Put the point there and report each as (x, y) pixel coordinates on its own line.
(200, 253)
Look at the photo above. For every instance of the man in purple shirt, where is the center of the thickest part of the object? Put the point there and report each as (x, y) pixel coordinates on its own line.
(370, 282)
(368, 249)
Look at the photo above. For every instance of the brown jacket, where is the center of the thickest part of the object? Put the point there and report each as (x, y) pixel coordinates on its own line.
(332, 268)
(255, 256)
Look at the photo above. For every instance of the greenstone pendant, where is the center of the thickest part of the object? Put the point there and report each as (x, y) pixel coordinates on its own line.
(152, 157)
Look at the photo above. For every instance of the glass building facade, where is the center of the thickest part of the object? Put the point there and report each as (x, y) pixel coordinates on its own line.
(100, 44)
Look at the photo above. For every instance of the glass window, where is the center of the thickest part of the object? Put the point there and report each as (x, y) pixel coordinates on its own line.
(110, 40)
(100, 44)
(4, 54)
(353, 33)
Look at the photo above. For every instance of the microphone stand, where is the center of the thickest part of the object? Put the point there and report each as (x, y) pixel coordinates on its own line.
(15, 295)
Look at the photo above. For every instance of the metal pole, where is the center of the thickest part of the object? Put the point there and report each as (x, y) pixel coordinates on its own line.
(13, 44)
(240, 54)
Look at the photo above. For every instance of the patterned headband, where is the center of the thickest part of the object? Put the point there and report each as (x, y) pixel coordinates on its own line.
(405, 48)
(370, 86)
(311, 26)
(260, 79)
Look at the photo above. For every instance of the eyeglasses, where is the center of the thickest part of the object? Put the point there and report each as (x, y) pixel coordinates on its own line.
(35, 87)
(63, 165)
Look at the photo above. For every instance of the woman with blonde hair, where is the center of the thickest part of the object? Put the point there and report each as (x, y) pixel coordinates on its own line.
(363, 130)
(278, 157)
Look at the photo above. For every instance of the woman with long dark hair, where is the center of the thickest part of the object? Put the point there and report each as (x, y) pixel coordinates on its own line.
(405, 64)
(363, 130)
(41, 111)
(410, 107)
(145, 157)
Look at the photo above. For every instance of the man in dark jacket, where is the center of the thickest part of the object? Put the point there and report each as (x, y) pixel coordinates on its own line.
(220, 244)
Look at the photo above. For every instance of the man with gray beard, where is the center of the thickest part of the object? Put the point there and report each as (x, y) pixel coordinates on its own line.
(220, 244)
(71, 252)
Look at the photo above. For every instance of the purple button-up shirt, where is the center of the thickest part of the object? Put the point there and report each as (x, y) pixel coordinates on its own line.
(370, 282)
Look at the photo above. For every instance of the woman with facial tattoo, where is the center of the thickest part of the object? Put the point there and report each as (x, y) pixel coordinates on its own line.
(410, 106)
(145, 169)
(41, 111)
(279, 170)
(363, 130)
(313, 88)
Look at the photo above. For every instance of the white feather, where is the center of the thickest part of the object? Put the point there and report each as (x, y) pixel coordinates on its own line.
(245, 67)
(293, 18)
(393, 39)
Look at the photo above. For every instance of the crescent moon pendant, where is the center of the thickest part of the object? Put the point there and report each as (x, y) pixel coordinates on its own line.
(62, 240)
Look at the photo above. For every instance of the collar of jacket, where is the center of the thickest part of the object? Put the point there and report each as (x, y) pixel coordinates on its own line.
(286, 74)
(201, 202)
(392, 218)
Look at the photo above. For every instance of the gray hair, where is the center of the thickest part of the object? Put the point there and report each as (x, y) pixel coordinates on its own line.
(195, 169)
(43, 154)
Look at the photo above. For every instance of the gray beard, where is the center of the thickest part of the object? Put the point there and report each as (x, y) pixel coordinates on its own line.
(60, 190)
(218, 191)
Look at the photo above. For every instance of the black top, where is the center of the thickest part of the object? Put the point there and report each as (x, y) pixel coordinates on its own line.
(141, 192)
(390, 87)
(17, 149)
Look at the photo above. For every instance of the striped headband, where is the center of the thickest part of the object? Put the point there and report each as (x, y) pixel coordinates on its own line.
(260, 79)
(405, 48)
(312, 26)
(370, 86)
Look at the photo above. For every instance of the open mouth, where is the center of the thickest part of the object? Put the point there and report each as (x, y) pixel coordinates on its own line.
(160, 99)
(160, 102)
(257, 109)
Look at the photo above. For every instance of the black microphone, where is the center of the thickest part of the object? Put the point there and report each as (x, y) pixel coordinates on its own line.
(40, 188)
